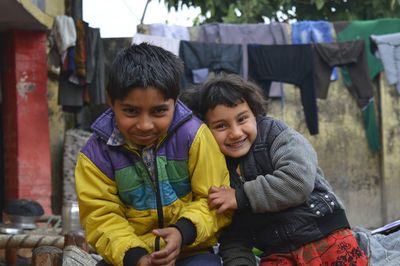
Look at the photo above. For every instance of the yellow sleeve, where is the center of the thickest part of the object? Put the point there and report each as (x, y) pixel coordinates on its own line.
(102, 213)
(207, 168)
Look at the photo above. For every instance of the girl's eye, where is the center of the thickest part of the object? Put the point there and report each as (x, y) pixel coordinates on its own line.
(220, 126)
(242, 118)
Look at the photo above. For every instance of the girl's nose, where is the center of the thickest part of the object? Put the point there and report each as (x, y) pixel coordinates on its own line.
(235, 132)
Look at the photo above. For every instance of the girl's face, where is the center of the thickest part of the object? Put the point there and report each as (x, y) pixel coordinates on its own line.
(234, 128)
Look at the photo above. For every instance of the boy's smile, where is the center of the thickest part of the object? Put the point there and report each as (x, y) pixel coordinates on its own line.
(234, 128)
(144, 115)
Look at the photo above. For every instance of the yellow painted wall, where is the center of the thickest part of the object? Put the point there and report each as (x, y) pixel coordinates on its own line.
(55, 7)
(56, 120)
(390, 105)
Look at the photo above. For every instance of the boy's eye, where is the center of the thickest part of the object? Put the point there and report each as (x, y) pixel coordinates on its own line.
(160, 111)
(130, 111)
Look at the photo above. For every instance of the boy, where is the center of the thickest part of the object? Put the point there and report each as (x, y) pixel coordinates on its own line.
(142, 179)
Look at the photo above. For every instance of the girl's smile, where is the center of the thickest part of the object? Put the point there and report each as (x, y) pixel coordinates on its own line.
(234, 128)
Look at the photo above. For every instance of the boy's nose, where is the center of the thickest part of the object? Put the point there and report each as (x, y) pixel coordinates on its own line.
(144, 124)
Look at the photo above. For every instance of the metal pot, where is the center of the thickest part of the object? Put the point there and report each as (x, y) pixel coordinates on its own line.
(10, 229)
(21, 221)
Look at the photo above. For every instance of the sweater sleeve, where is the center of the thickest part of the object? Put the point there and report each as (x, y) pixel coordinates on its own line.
(295, 167)
(207, 167)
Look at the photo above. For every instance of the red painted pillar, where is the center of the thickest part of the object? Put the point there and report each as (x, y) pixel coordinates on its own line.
(25, 114)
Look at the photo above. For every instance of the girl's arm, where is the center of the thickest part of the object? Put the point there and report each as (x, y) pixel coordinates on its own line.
(295, 169)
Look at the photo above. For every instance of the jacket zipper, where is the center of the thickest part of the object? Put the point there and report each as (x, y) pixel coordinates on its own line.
(156, 188)
(160, 213)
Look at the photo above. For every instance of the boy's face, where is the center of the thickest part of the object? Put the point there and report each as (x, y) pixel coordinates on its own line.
(144, 115)
(234, 128)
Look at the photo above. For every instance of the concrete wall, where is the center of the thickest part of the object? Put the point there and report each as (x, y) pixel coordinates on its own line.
(368, 183)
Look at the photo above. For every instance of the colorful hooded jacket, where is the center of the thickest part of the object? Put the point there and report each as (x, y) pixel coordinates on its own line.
(120, 204)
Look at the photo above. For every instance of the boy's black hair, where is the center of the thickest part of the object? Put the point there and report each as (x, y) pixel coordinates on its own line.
(142, 66)
(225, 89)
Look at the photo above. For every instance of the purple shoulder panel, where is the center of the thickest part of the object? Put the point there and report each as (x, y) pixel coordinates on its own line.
(106, 159)
(177, 146)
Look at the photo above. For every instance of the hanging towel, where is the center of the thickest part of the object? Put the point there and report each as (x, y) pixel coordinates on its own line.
(388, 50)
(269, 63)
(168, 44)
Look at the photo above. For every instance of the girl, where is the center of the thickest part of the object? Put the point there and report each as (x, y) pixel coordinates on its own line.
(283, 204)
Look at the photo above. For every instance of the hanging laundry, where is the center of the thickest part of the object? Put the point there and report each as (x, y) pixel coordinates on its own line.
(82, 76)
(349, 54)
(273, 33)
(305, 32)
(388, 50)
(168, 44)
(286, 63)
(95, 67)
(362, 30)
(62, 36)
(319, 31)
(352, 56)
(79, 76)
(202, 58)
(208, 33)
(169, 31)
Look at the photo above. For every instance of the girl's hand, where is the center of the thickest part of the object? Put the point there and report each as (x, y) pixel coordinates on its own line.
(222, 199)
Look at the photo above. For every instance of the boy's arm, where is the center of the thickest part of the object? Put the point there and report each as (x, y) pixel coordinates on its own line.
(102, 216)
(293, 178)
(207, 167)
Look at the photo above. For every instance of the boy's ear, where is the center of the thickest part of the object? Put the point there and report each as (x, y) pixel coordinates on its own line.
(109, 101)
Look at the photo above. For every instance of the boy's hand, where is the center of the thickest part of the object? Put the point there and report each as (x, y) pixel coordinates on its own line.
(169, 254)
(222, 199)
(144, 261)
